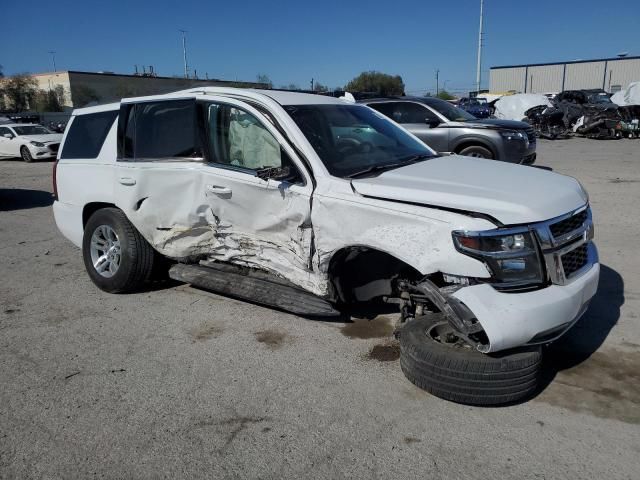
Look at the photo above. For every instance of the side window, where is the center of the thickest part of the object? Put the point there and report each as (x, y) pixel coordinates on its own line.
(407, 112)
(4, 131)
(238, 139)
(86, 135)
(161, 131)
(384, 108)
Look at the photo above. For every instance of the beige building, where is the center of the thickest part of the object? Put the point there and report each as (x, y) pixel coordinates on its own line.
(609, 74)
(82, 88)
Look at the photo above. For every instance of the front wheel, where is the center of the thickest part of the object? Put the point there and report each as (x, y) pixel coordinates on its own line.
(436, 360)
(117, 258)
(476, 151)
(26, 154)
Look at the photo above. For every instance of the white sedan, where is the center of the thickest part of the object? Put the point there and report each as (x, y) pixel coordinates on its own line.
(29, 141)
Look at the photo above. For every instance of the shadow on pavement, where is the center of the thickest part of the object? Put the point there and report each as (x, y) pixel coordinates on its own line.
(586, 337)
(22, 199)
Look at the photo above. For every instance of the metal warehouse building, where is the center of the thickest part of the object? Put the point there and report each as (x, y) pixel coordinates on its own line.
(610, 74)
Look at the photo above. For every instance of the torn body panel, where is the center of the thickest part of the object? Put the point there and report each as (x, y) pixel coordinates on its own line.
(252, 222)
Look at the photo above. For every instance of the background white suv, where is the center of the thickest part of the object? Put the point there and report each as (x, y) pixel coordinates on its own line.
(29, 141)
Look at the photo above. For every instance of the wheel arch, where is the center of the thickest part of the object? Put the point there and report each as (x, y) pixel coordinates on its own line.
(465, 142)
(91, 208)
(360, 273)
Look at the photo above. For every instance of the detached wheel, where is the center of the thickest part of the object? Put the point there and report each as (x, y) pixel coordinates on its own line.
(477, 152)
(436, 360)
(117, 258)
(26, 154)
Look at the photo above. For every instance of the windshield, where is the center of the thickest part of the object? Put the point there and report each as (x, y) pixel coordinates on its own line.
(352, 138)
(32, 130)
(451, 112)
(477, 101)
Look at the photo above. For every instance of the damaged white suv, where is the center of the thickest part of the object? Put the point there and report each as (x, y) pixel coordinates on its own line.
(310, 204)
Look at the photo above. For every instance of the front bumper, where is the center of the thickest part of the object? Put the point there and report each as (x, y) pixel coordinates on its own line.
(42, 152)
(516, 319)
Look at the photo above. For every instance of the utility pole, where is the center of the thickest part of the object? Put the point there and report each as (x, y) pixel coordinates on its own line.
(184, 53)
(312, 84)
(53, 59)
(437, 82)
(478, 78)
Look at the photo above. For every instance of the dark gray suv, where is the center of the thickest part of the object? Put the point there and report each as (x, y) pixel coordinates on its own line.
(448, 129)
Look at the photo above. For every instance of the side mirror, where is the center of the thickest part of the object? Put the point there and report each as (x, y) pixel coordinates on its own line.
(8, 135)
(432, 122)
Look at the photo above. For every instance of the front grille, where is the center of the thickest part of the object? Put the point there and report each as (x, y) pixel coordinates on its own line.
(574, 260)
(568, 224)
(54, 147)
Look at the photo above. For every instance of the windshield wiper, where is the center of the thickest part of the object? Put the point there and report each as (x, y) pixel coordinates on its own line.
(391, 166)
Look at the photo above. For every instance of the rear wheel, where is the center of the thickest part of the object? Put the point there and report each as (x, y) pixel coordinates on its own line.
(117, 258)
(436, 360)
(26, 154)
(476, 151)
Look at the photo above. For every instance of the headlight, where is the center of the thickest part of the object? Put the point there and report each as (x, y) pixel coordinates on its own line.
(513, 135)
(37, 144)
(511, 256)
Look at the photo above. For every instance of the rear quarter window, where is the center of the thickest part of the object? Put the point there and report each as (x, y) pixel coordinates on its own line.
(86, 135)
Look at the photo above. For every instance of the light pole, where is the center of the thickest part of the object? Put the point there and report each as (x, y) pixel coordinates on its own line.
(53, 59)
(479, 48)
(437, 82)
(184, 53)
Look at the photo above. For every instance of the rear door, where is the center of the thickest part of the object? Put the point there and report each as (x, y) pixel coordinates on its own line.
(190, 180)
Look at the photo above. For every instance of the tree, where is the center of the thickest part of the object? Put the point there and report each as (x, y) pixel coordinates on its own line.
(318, 87)
(376, 82)
(291, 86)
(264, 78)
(20, 91)
(444, 95)
(81, 95)
(50, 100)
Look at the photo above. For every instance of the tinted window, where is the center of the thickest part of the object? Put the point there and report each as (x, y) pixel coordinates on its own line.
(158, 131)
(5, 130)
(166, 130)
(405, 112)
(450, 112)
(87, 133)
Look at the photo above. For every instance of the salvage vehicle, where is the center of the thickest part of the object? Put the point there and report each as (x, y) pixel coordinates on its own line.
(314, 205)
(29, 141)
(478, 107)
(448, 129)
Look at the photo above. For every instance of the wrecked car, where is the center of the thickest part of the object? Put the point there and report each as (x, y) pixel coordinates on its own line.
(314, 205)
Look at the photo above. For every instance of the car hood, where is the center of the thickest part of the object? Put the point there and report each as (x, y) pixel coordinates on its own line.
(512, 194)
(48, 138)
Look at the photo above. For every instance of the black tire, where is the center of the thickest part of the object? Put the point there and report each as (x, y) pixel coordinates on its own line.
(464, 375)
(476, 151)
(136, 255)
(26, 154)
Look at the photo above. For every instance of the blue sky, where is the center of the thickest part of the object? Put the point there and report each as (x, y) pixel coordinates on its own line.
(331, 41)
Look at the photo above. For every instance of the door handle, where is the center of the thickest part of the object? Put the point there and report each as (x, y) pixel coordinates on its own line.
(127, 181)
(219, 190)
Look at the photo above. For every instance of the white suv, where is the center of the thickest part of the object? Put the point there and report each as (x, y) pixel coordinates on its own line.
(311, 204)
